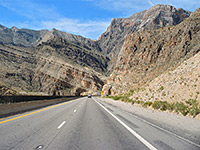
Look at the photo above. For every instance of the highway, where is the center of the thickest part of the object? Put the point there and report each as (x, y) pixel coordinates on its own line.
(85, 124)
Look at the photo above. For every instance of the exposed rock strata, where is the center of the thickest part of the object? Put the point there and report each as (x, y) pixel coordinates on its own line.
(54, 76)
(156, 17)
(148, 53)
(54, 62)
(180, 84)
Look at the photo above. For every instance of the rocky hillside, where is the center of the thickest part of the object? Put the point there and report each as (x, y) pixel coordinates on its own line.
(20, 37)
(55, 67)
(6, 91)
(74, 53)
(75, 39)
(54, 75)
(65, 68)
(59, 63)
(156, 17)
(148, 53)
(32, 38)
(180, 84)
(17, 66)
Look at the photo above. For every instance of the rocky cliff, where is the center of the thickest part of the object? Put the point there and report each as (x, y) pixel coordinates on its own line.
(156, 17)
(54, 75)
(20, 37)
(65, 68)
(148, 53)
(55, 67)
(180, 84)
(60, 63)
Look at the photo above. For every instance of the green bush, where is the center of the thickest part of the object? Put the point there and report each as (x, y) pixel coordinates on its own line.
(147, 104)
(164, 105)
(182, 108)
(191, 107)
(194, 111)
(156, 105)
(191, 102)
(133, 102)
(116, 97)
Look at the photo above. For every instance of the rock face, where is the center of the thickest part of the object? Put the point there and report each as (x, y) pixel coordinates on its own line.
(54, 76)
(55, 67)
(59, 63)
(76, 39)
(156, 17)
(65, 68)
(180, 84)
(20, 37)
(17, 66)
(148, 53)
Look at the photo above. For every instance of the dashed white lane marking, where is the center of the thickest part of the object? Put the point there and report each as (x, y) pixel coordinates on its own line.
(61, 124)
(75, 110)
(147, 144)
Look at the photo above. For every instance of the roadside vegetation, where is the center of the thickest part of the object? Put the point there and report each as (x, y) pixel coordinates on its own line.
(186, 108)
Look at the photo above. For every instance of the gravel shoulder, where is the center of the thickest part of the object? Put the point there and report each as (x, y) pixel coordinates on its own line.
(183, 126)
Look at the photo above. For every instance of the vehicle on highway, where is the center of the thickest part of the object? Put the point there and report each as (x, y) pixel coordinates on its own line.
(89, 96)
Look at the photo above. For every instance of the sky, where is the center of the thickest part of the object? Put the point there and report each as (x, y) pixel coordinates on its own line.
(88, 18)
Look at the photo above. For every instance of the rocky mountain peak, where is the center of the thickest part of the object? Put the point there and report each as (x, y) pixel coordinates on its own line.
(156, 17)
(14, 29)
(148, 53)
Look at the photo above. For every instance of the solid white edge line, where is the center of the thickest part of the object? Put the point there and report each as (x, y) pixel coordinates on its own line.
(169, 132)
(147, 144)
(61, 124)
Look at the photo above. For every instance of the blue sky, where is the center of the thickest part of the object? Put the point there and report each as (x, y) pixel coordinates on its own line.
(88, 18)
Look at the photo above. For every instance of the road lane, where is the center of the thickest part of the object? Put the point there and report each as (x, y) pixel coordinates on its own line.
(93, 128)
(157, 136)
(28, 132)
(84, 124)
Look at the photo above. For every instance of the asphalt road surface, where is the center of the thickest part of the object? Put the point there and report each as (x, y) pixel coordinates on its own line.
(85, 124)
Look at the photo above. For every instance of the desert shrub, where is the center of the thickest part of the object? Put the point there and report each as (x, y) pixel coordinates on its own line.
(114, 97)
(147, 104)
(156, 105)
(171, 107)
(194, 111)
(133, 102)
(182, 108)
(161, 88)
(191, 102)
(164, 105)
(194, 108)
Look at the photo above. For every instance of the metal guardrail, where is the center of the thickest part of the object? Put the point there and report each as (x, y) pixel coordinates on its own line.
(17, 99)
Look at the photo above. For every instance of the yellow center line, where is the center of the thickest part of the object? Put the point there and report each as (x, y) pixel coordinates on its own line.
(1, 122)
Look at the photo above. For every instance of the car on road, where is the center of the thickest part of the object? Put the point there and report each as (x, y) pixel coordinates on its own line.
(89, 96)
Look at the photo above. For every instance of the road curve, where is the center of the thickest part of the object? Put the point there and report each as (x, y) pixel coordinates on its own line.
(84, 124)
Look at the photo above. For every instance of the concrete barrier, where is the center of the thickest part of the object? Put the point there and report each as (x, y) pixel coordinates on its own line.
(14, 108)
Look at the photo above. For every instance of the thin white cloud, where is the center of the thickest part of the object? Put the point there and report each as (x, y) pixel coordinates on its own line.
(150, 2)
(132, 6)
(45, 17)
(88, 28)
(126, 7)
(29, 9)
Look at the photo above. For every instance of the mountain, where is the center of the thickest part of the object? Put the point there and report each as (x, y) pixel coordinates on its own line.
(76, 39)
(55, 67)
(20, 37)
(180, 84)
(156, 17)
(149, 53)
(59, 63)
